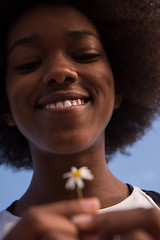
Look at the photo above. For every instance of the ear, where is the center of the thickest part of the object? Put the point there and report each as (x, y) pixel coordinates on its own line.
(118, 96)
(6, 113)
(118, 101)
(8, 118)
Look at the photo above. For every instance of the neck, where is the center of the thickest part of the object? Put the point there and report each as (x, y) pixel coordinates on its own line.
(48, 170)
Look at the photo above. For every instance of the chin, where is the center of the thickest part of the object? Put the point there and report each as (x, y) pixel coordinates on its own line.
(70, 146)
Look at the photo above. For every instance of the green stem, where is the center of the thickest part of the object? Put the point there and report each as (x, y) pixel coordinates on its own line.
(79, 192)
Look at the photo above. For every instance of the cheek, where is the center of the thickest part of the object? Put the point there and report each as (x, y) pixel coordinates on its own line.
(15, 96)
(99, 75)
(18, 91)
(19, 87)
(101, 84)
(105, 92)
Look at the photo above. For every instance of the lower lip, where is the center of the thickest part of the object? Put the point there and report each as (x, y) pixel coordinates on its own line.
(66, 109)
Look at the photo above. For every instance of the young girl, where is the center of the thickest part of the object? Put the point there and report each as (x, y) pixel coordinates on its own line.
(79, 81)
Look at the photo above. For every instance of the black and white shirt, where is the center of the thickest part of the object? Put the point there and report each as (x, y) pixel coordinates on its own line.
(137, 199)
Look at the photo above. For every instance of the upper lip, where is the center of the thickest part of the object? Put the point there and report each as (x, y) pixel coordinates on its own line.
(59, 97)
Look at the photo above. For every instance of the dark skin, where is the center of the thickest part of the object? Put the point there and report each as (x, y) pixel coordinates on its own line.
(52, 64)
(64, 69)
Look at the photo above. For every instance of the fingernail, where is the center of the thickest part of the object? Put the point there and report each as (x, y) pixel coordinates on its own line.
(93, 203)
(82, 219)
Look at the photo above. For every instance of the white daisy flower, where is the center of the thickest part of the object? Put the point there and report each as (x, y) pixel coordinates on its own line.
(75, 179)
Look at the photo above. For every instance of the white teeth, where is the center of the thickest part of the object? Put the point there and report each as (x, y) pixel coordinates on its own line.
(74, 103)
(79, 102)
(65, 104)
(59, 105)
(50, 106)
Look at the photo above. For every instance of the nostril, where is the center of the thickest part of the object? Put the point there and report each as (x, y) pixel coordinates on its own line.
(69, 79)
(60, 75)
(51, 81)
(66, 80)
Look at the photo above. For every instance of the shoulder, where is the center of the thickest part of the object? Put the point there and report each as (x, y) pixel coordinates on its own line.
(145, 198)
(154, 195)
(7, 222)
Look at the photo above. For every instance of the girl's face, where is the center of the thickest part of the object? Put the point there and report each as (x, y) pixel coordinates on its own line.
(59, 82)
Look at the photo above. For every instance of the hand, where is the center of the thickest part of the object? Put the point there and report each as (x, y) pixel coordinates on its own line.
(137, 224)
(52, 221)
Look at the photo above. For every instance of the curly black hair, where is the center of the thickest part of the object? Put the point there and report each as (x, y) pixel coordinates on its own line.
(130, 34)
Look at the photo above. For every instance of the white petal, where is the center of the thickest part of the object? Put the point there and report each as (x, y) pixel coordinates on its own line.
(84, 169)
(70, 184)
(67, 175)
(86, 174)
(79, 182)
(89, 177)
(73, 169)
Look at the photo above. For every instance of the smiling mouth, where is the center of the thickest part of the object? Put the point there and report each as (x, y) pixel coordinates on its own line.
(62, 101)
(65, 104)
(61, 104)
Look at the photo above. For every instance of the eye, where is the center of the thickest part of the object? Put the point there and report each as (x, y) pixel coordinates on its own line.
(28, 67)
(87, 57)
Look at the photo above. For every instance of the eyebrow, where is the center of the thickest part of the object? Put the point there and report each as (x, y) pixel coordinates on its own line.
(23, 41)
(82, 33)
(35, 37)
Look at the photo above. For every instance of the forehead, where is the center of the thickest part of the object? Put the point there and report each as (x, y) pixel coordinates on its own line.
(45, 18)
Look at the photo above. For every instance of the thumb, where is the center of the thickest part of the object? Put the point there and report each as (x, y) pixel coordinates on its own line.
(74, 207)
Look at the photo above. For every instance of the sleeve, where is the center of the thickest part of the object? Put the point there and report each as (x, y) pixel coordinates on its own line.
(154, 195)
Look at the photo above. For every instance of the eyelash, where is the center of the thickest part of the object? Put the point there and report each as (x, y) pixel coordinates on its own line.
(84, 58)
(28, 67)
(87, 58)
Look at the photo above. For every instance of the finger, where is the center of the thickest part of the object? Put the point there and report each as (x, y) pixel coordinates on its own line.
(137, 235)
(33, 228)
(73, 207)
(39, 219)
(90, 237)
(121, 222)
(58, 236)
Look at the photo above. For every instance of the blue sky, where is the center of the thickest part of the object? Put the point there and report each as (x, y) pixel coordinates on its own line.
(142, 169)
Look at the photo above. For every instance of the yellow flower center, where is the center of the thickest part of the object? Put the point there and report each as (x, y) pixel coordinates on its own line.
(76, 174)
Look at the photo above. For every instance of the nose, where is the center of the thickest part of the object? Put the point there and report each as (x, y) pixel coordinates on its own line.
(60, 71)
